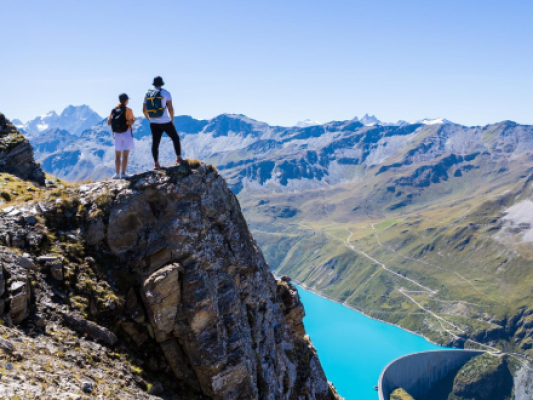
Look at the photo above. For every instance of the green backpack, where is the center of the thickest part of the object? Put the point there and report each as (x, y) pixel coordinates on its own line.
(154, 103)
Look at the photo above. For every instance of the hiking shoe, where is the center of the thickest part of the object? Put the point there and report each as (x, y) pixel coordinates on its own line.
(116, 176)
(157, 165)
(179, 161)
(126, 176)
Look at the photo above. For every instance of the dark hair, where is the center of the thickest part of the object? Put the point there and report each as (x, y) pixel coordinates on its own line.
(158, 81)
(122, 99)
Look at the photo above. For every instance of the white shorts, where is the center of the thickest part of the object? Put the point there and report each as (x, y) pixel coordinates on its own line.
(124, 141)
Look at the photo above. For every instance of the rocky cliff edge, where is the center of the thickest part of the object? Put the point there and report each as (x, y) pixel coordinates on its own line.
(16, 154)
(151, 286)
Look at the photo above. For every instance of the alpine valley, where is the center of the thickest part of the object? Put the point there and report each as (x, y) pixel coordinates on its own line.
(427, 224)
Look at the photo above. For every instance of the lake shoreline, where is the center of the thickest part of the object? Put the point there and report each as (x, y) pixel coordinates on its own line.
(316, 292)
(354, 348)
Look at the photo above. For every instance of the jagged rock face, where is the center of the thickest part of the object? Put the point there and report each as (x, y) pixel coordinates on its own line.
(522, 328)
(14, 285)
(212, 304)
(197, 291)
(291, 305)
(16, 154)
(195, 284)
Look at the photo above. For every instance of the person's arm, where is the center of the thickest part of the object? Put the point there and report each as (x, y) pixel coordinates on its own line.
(170, 110)
(145, 112)
(109, 119)
(130, 118)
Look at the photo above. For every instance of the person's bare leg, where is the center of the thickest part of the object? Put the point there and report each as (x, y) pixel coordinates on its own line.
(125, 155)
(117, 162)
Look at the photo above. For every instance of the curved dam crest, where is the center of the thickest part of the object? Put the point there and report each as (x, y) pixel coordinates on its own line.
(353, 348)
(418, 372)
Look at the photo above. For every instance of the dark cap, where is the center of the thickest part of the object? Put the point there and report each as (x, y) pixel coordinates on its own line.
(158, 81)
(123, 97)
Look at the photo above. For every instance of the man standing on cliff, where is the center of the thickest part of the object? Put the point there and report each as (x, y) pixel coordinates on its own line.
(157, 108)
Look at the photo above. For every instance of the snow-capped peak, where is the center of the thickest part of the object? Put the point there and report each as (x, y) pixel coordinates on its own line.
(431, 121)
(369, 120)
(74, 119)
(306, 122)
(49, 114)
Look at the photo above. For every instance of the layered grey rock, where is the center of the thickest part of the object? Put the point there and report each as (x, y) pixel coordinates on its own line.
(198, 287)
(15, 290)
(212, 303)
(16, 154)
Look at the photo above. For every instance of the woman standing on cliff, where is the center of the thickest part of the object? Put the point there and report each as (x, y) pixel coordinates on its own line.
(121, 121)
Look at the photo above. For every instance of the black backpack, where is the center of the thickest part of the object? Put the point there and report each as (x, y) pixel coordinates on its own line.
(118, 120)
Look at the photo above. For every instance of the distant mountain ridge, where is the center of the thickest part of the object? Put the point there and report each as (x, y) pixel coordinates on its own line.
(74, 119)
(254, 155)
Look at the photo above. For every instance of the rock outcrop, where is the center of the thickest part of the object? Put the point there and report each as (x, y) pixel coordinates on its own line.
(16, 154)
(210, 299)
(162, 265)
(485, 377)
(522, 328)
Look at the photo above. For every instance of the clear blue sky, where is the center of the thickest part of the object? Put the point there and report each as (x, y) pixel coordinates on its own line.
(279, 61)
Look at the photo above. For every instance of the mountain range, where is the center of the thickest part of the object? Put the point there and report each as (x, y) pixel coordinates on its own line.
(74, 119)
(426, 225)
(70, 150)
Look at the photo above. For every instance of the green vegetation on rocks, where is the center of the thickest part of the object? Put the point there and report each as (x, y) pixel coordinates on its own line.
(400, 394)
(485, 377)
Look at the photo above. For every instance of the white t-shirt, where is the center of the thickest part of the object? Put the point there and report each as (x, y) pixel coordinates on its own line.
(165, 118)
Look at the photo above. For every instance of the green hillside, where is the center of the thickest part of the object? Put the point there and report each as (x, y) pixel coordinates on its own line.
(433, 255)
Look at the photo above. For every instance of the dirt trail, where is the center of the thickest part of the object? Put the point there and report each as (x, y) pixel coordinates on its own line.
(428, 290)
(347, 243)
(461, 277)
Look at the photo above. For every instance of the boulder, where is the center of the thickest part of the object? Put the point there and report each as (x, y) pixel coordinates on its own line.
(87, 387)
(25, 262)
(161, 293)
(56, 268)
(95, 232)
(93, 330)
(6, 345)
(19, 300)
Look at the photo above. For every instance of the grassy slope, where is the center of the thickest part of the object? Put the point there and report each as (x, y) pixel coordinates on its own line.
(448, 277)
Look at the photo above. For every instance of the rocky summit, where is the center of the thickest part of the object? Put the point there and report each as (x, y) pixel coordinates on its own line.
(145, 288)
(16, 154)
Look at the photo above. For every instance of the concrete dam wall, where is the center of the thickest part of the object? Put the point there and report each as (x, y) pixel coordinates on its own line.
(418, 372)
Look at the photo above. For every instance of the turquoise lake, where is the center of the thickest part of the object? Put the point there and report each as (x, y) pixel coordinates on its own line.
(353, 348)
